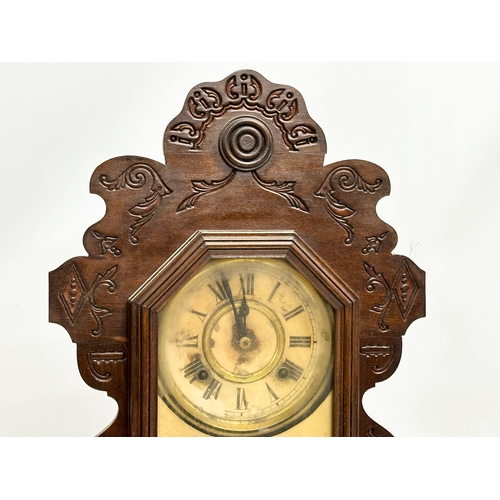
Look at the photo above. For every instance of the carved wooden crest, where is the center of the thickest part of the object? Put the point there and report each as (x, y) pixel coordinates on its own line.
(243, 175)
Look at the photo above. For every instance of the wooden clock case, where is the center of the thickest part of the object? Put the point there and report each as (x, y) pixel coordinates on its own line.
(243, 177)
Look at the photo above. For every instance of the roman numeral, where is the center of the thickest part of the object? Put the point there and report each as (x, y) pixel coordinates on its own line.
(191, 341)
(290, 370)
(241, 400)
(212, 389)
(300, 341)
(191, 369)
(200, 315)
(218, 290)
(271, 393)
(247, 282)
(275, 289)
(294, 312)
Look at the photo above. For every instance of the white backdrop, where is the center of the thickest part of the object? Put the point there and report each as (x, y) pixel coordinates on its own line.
(435, 129)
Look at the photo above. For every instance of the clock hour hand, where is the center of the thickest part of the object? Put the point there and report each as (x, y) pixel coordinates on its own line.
(243, 312)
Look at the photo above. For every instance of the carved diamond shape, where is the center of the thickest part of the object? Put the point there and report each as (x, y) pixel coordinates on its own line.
(72, 294)
(405, 289)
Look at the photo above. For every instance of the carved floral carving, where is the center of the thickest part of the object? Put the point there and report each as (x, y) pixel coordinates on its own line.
(345, 178)
(135, 177)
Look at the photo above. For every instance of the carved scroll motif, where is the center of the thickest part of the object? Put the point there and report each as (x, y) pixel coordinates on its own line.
(99, 361)
(347, 179)
(135, 177)
(243, 90)
(382, 308)
(99, 312)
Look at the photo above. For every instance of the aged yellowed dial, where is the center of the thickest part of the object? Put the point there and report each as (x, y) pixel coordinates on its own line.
(245, 348)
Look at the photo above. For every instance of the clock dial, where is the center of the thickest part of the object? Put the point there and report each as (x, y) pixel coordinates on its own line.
(245, 348)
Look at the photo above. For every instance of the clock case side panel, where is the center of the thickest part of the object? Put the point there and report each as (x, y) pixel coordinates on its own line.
(203, 246)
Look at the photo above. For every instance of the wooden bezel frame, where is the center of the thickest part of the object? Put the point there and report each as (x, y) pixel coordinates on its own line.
(243, 176)
(203, 246)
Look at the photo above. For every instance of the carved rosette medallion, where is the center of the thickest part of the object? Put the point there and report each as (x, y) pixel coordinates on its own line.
(246, 143)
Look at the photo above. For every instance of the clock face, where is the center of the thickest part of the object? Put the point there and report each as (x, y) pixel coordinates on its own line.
(245, 348)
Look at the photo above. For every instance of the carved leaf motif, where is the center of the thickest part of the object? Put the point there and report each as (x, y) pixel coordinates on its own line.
(202, 188)
(285, 190)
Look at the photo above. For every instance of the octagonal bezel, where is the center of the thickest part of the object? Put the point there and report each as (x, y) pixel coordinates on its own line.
(191, 257)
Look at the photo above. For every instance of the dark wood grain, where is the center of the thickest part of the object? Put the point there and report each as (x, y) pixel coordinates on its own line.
(243, 176)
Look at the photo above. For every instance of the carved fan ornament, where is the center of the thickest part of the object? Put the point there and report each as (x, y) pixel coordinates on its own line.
(243, 176)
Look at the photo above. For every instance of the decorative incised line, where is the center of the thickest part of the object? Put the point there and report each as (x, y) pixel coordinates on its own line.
(374, 243)
(98, 360)
(347, 179)
(99, 312)
(135, 177)
(72, 294)
(107, 244)
(405, 289)
(379, 351)
(242, 90)
(382, 309)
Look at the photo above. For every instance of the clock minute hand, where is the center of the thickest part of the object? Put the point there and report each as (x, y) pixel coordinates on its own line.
(229, 294)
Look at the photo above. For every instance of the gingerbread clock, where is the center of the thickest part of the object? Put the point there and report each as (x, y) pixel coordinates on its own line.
(241, 288)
